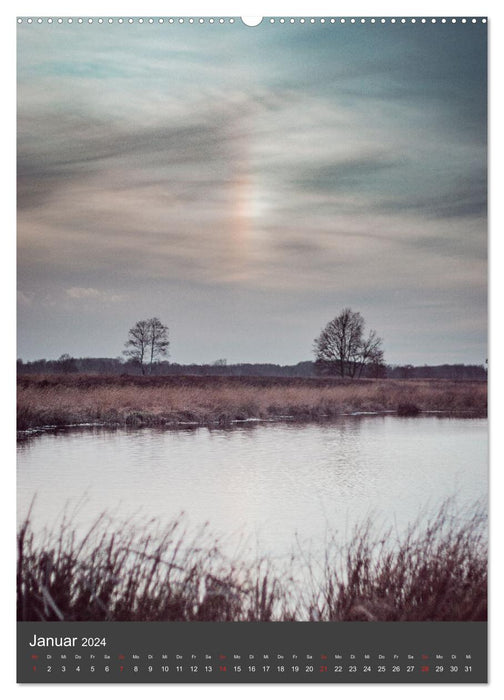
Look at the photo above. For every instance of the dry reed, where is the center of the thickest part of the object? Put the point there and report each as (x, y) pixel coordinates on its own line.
(171, 401)
(127, 572)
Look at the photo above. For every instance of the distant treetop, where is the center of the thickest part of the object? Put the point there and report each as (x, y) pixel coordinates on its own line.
(147, 342)
(342, 349)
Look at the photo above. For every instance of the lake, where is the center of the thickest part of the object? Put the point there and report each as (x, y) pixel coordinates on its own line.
(263, 487)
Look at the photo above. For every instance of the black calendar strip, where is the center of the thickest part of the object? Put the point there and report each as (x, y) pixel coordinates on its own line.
(252, 652)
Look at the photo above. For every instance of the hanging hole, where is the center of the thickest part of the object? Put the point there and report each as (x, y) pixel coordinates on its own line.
(251, 21)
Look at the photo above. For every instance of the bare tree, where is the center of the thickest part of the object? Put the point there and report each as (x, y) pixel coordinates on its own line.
(371, 353)
(342, 349)
(147, 341)
(158, 342)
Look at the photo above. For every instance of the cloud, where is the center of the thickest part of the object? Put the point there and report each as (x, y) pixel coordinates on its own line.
(170, 170)
(87, 293)
(347, 173)
(461, 197)
(83, 293)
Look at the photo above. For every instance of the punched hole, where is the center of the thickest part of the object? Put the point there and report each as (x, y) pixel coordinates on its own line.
(251, 21)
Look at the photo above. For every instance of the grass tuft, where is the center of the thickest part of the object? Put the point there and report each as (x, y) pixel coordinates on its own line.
(434, 572)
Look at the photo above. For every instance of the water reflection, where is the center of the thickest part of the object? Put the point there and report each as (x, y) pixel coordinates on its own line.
(270, 482)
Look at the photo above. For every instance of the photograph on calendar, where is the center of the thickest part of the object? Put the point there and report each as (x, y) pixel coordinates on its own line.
(252, 320)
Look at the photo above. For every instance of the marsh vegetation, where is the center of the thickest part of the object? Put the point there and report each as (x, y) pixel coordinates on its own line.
(59, 400)
(127, 571)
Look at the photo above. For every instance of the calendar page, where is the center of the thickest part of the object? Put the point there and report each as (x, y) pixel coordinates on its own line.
(252, 341)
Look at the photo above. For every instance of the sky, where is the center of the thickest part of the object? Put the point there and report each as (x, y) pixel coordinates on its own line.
(246, 184)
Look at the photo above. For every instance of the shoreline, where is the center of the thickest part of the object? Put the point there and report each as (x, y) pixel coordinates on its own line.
(53, 401)
(250, 422)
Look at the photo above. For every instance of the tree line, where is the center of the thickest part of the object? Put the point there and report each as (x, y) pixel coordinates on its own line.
(118, 366)
(342, 349)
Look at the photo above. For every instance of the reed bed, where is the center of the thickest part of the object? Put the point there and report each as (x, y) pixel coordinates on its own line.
(135, 572)
(172, 401)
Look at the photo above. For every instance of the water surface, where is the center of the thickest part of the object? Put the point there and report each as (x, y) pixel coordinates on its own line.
(274, 484)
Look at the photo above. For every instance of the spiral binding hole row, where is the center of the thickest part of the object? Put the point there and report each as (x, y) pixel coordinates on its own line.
(232, 20)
